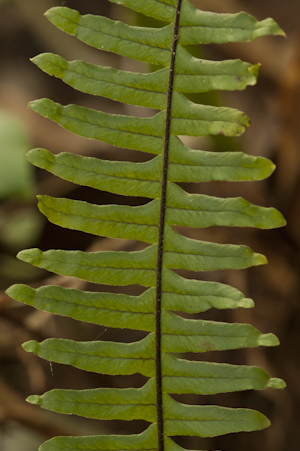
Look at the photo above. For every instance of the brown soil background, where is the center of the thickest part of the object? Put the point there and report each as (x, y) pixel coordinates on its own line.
(273, 106)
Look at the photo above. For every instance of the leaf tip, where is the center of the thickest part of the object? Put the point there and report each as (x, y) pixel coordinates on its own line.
(34, 399)
(11, 291)
(33, 59)
(247, 303)
(41, 158)
(31, 346)
(34, 104)
(269, 27)
(277, 383)
(64, 18)
(21, 293)
(268, 340)
(30, 154)
(260, 259)
(281, 221)
(254, 70)
(32, 256)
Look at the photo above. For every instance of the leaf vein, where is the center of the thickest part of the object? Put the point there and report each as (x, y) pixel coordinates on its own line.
(108, 175)
(109, 128)
(216, 211)
(104, 220)
(68, 351)
(110, 82)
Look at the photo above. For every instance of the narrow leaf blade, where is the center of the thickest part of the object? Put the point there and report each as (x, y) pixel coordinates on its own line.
(185, 335)
(102, 403)
(208, 28)
(193, 255)
(144, 134)
(113, 268)
(194, 296)
(99, 357)
(151, 45)
(118, 177)
(201, 166)
(106, 309)
(206, 378)
(198, 75)
(146, 441)
(209, 421)
(114, 221)
(147, 90)
(194, 210)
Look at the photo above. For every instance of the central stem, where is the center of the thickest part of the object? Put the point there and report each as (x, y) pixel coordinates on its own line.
(160, 424)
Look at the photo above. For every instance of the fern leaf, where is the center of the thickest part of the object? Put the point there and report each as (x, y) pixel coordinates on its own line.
(146, 441)
(209, 421)
(104, 267)
(165, 292)
(183, 335)
(111, 310)
(205, 378)
(103, 403)
(112, 221)
(149, 89)
(144, 134)
(100, 357)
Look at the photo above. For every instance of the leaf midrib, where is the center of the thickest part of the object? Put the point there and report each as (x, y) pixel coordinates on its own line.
(111, 82)
(101, 267)
(110, 128)
(89, 306)
(103, 356)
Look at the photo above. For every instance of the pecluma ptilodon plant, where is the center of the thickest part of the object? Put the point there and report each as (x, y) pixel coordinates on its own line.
(166, 293)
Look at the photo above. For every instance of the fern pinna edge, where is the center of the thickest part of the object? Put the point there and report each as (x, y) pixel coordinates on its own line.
(166, 293)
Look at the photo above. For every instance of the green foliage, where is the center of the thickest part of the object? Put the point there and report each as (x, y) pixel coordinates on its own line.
(166, 293)
(16, 175)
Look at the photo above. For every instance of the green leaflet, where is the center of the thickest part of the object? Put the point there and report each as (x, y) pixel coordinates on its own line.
(186, 253)
(205, 378)
(125, 178)
(141, 222)
(191, 119)
(194, 210)
(116, 310)
(183, 335)
(110, 267)
(166, 292)
(146, 441)
(161, 10)
(122, 268)
(107, 309)
(99, 357)
(202, 27)
(144, 134)
(211, 27)
(113, 221)
(149, 90)
(102, 403)
(151, 45)
(193, 296)
(188, 164)
(197, 75)
(180, 376)
(142, 179)
(209, 421)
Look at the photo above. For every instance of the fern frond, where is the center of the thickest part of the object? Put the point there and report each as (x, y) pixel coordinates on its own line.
(166, 250)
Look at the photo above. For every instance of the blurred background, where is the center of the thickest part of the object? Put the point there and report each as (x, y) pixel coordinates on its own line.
(274, 109)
